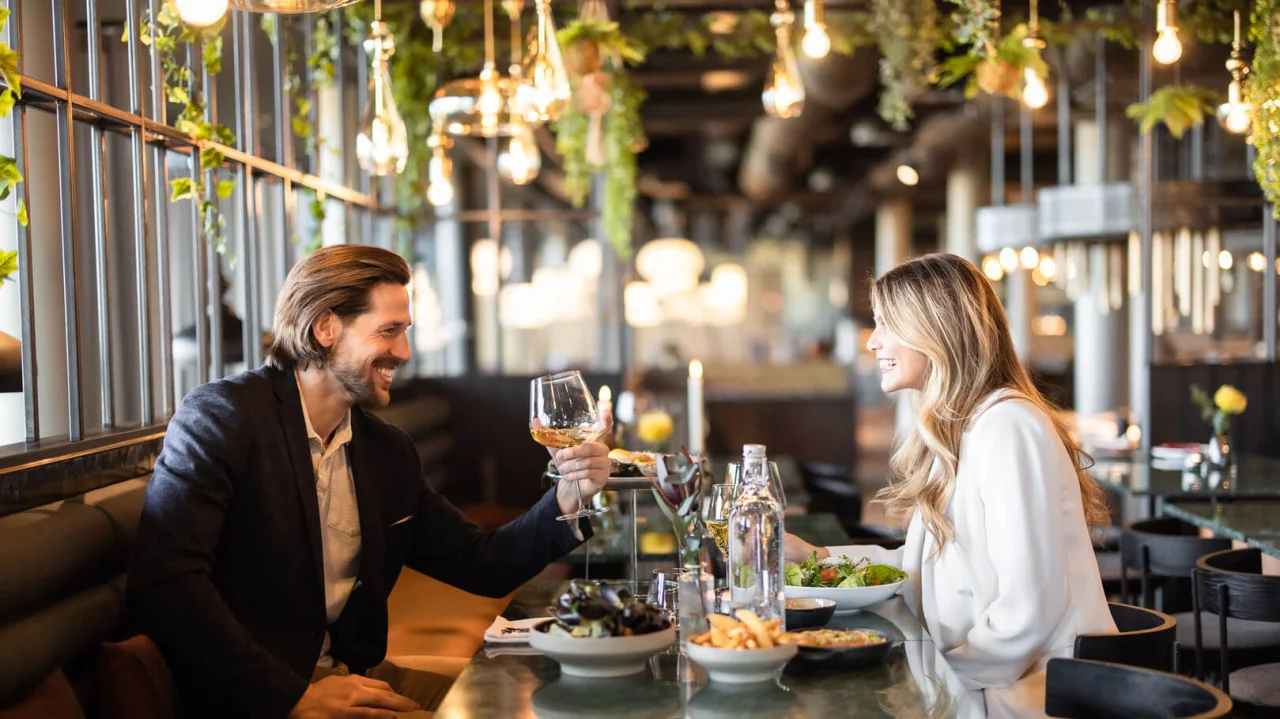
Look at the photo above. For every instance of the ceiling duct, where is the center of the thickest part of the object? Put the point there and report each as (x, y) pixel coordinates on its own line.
(780, 150)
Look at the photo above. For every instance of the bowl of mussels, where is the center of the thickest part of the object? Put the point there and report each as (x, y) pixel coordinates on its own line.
(602, 631)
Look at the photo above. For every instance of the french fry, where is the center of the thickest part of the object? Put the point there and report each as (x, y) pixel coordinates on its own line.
(722, 622)
(756, 626)
(718, 637)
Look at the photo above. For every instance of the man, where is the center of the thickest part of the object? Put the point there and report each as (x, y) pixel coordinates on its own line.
(280, 512)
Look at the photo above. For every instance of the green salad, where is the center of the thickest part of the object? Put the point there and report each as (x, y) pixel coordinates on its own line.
(841, 573)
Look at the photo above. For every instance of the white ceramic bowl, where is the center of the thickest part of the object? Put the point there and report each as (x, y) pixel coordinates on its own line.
(849, 599)
(741, 666)
(602, 657)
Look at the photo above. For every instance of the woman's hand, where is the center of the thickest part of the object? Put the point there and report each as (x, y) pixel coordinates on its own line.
(796, 550)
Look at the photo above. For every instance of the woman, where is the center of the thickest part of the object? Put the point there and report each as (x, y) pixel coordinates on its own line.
(1001, 566)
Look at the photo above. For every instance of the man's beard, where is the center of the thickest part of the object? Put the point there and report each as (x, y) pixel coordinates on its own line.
(357, 382)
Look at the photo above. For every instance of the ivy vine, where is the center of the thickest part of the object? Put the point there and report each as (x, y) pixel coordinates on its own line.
(1263, 92)
(999, 73)
(9, 174)
(172, 38)
(907, 33)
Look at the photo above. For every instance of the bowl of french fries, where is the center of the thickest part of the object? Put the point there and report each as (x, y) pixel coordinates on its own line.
(742, 649)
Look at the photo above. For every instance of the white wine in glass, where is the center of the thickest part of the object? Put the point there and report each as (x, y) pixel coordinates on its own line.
(716, 515)
(562, 414)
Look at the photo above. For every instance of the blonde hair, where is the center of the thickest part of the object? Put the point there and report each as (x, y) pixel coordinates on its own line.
(941, 306)
(337, 279)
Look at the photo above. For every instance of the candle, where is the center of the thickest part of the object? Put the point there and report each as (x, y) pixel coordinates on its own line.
(695, 408)
(606, 398)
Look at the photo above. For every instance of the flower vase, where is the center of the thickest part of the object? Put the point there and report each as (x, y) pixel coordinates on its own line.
(1221, 454)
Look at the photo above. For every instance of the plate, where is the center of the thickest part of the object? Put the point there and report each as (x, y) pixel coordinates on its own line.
(848, 599)
(741, 666)
(601, 657)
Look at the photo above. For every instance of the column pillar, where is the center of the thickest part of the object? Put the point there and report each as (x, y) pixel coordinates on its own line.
(1101, 368)
(964, 189)
(893, 246)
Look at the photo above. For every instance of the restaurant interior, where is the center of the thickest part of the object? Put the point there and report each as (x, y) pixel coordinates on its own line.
(684, 201)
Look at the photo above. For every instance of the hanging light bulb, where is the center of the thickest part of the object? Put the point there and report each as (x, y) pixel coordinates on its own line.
(1235, 114)
(382, 145)
(1009, 259)
(437, 14)
(1167, 48)
(783, 94)
(907, 175)
(477, 105)
(520, 160)
(439, 171)
(1034, 92)
(544, 90)
(200, 13)
(816, 43)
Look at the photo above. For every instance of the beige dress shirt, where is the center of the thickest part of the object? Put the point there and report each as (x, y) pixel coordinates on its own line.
(339, 519)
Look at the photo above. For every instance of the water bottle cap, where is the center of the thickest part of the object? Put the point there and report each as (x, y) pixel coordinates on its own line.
(753, 450)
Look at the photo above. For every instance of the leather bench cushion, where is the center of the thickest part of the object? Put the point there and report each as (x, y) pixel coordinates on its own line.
(430, 618)
(50, 552)
(134, 681)
(51, 699)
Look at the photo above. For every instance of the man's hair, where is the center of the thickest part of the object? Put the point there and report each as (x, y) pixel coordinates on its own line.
(336, 279)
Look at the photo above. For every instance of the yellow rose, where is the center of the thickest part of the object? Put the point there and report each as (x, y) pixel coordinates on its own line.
(654, 427)
(1230, 400)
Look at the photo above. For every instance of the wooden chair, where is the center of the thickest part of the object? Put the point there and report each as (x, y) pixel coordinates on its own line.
(1231, 585)
(1082, 689)
(1146, 638)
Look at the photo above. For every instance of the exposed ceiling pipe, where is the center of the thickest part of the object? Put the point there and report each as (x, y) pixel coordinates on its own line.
(780, 149)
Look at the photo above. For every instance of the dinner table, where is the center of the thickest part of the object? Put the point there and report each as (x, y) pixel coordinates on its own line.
(1159, 480)
(912, 680)
(1256, 522)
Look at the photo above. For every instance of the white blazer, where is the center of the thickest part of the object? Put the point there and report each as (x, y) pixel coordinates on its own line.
(1020, 580)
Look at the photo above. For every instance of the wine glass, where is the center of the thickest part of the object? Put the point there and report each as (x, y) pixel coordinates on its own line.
(562, 413)
(715, 514)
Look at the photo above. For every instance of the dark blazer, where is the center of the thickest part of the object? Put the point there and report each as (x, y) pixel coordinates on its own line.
(227, 573)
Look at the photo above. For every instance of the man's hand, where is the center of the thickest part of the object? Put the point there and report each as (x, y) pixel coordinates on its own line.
(583, 468)
(350, 697)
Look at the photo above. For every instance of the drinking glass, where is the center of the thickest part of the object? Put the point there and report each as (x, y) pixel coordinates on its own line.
(562, 413)
(734, 475)
(715, 514)
(664, 592)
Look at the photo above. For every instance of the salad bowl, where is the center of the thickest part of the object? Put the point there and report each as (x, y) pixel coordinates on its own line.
(852, 585)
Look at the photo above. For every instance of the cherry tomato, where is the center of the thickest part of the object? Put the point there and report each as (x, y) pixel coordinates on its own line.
(828, 575)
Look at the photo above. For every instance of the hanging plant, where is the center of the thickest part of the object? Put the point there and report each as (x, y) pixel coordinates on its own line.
(1178, 107)
(1263, 92)
(601, 130)
(9, 175)
(907, 33)
(977, 24)
(999, 73)
(171, 38)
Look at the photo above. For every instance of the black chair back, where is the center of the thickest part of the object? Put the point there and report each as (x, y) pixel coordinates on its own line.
(1231, 584)
(1082, 689)
(1146, 638)
(1161, 550)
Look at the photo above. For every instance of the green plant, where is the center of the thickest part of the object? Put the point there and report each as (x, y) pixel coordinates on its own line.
(8, 265)
(977, 24)
(908, 37)
(9, 174)
(171, 38)
(1179, 107)
(996, 74)
(1263, 91)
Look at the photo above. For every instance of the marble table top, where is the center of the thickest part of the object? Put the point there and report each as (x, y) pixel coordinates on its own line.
(1255, 522)
(913, 680)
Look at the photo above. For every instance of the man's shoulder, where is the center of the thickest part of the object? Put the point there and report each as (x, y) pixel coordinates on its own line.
(377, 429)
(241, 393)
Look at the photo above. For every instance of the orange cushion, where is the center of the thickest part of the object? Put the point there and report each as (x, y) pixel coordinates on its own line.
(431, 618)
(134, 681)
(53, 699)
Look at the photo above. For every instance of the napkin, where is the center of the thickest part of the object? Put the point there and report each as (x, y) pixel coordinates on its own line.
(504, 631)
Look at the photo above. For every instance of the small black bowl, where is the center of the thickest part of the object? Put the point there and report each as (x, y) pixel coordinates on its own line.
(845, 656)
(807, 613)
